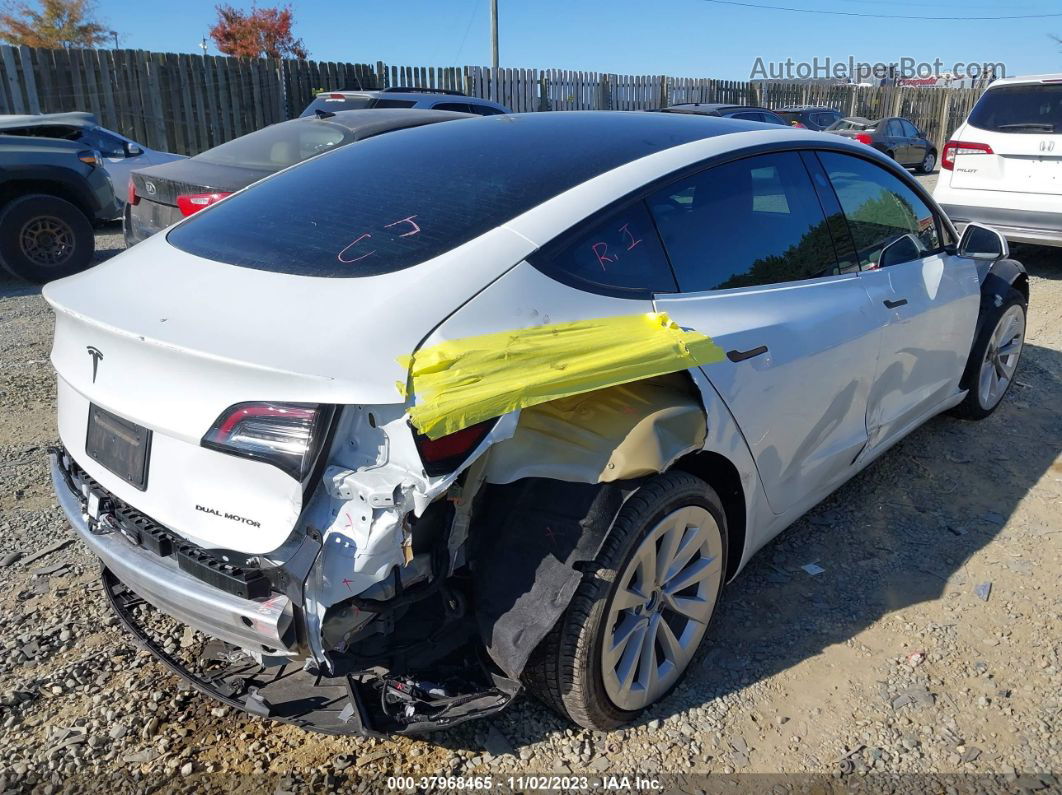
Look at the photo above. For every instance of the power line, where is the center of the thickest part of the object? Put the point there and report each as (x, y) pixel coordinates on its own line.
(876, 16)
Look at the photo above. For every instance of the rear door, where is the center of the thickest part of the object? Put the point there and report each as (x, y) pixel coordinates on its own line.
(916, 144)
(757, 271)
(926, 298)
(896, 142)
(1022, 126)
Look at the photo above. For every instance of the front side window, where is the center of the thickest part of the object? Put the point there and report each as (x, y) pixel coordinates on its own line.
(755, 221)
(622, 251)
(888, 221)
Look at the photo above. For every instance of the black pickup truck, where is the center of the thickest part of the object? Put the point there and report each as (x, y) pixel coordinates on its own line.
(52, 193)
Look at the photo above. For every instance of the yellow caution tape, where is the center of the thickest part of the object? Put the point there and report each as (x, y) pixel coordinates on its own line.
(460, 382)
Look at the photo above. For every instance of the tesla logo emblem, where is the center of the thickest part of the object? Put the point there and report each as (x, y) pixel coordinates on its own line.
(96, 357)
(1047, 146)
(150, 188)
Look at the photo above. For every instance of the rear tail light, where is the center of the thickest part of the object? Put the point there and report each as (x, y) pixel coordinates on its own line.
(190, 203)
(954, 148)
(864, 138)
(286, 435)
(131, 197)
(445, 454)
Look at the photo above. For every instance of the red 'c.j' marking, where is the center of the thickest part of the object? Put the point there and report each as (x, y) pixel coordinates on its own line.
(407, 220)
(629, 237)
(601, 252)
(339, 256)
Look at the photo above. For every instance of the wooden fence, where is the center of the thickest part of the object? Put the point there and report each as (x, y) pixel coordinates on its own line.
(187, 103)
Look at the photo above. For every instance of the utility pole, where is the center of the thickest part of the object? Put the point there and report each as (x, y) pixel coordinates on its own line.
(203, 45)
(115, 34)
(494, 33)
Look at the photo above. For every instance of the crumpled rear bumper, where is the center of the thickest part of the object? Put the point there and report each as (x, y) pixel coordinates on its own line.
(264, 625)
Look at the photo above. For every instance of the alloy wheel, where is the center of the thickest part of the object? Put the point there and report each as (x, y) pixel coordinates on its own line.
(929, 163)
(661, 606)
(47, 240)
(1001, 357)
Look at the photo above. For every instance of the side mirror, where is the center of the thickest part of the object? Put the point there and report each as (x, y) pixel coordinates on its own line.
(132, 150)
(982, 243)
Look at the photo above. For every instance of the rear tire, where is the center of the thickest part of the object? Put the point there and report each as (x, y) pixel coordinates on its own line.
(929, 162)
(994, 358)
(44, 237)
(623, 617)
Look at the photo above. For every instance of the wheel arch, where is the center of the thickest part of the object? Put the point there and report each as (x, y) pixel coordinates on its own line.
(18, 188)
(722, 475)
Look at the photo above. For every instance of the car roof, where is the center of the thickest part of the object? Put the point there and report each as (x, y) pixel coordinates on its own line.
(368, 122)
(798, 108)
(76, 119)
(1027, 79)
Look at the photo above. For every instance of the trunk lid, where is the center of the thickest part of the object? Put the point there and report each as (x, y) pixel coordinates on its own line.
(182, 338)
(163, 184)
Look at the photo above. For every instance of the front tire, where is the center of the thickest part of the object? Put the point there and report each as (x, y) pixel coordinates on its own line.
(44, 237)
(994, 358)
(636, 621)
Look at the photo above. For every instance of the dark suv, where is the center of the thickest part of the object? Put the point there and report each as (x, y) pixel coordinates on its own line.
(52, 192)
(811, 117)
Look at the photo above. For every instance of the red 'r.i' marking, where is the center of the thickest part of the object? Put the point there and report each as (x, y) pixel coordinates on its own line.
(629, 237)
(602, 254)
(339, 256)
(407, 220)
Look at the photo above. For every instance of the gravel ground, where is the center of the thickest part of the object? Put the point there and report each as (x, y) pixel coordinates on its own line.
(888, 661)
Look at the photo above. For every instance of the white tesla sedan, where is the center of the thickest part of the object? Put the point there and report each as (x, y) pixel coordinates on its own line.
(504, 402)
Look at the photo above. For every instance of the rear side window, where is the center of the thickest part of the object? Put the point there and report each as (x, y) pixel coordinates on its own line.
(392, 201)
(621, 254)
(909, 129)
(755, 221)
(393, 103)
(484, 110)
(895, 129)
(1019, 109)
(882, 212)
(332, 103)
(459, 107)
(278, 146)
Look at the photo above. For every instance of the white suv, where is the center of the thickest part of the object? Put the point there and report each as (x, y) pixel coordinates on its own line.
(1003, 166)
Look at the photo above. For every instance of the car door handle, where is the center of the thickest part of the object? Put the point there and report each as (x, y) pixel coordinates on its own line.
(894, 304)
(740, 356)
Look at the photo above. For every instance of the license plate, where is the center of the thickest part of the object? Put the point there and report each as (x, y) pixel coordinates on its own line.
(119, 445)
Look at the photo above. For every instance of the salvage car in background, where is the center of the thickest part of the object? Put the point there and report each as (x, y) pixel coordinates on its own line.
(52, 193)
(486, 404)
(898, 138)
(743, 112)
(161, 196)
(1003, 166)
(403, 97)
(119, 155)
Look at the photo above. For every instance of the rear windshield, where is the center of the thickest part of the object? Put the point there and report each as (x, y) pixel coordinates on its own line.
(395, 200)
(1019, 109)
(336, 103)
(278, 146)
